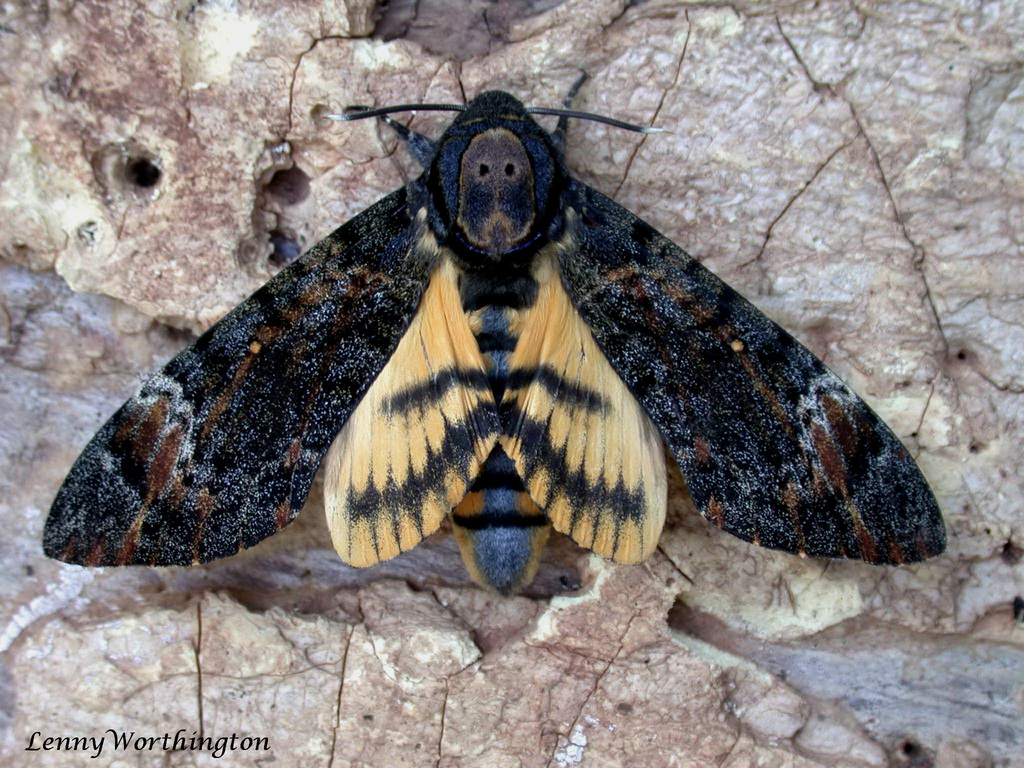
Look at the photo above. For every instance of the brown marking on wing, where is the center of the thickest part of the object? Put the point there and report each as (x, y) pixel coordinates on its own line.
(149, 430)
(315, 294)
(766, 392)
(922, 545)
(176, 492)
(702, 450)
(868, 550)
(158, 473)
(95, 556)
(831, 461)
(681, 295)
(267, 334)
(131, 543)
(124, 432)
(222, 402)
(715, 512)
(205, 502)
(283, 514)
(840, 425)
(791, 499)
(896, 552)
(293, 453)
(162, 465)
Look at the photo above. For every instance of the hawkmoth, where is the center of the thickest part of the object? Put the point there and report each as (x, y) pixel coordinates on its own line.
(498, 342)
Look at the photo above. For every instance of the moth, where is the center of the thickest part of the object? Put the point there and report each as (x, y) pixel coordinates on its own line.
(498, 342)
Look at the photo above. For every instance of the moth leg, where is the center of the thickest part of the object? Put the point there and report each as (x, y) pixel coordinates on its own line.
(559, 134)
(419, 146)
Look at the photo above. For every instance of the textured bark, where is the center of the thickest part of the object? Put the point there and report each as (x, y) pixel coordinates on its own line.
(856, 171)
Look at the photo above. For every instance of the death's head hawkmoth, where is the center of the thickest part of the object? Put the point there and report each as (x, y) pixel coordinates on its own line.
(499, 342)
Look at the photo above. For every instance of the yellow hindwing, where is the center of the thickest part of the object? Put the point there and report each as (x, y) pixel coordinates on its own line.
(416, 441)
(589, 455)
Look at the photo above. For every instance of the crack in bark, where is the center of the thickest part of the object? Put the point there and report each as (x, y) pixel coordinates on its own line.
(212, 676)
(1007, 388)
(920, 422)
(199, 669)
(593, 690)
(444, 711)
(295, 73)
(725, 757)
(672, 562)
(341, 688)
(918, 251)
(458, 78)
(657, 109)
(793, 199)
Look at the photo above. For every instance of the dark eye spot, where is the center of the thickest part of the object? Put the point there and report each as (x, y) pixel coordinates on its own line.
(510, 169)
(484, 169)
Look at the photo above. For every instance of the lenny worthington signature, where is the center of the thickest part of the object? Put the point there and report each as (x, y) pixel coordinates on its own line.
(123, 741)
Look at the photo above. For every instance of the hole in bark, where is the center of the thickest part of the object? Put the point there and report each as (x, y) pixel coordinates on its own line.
(127, 169)
(910, 748)
(289, 186)
(1018, 609)
(286, 249)
(143, 172)
(910, 754)
(624, 708)
(976, 447)
(1011, 553)
(318, 114)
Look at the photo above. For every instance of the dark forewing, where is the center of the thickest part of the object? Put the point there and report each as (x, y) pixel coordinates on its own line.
(218, 450)
(774, 447)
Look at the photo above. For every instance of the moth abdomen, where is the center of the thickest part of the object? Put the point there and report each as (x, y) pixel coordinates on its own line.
(500, 530)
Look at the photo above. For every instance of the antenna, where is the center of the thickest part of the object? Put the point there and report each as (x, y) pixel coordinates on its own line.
(596, 118)
(361, 113)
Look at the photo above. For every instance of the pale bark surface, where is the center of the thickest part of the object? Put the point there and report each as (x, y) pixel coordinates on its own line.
(856, 170)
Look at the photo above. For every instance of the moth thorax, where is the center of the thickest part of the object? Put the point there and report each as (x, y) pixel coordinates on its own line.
(496, 199)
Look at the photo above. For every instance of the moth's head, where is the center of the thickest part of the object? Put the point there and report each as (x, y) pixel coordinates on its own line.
(495, 180)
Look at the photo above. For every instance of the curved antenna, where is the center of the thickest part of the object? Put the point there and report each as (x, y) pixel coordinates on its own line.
(596, 118)
(360, 112)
